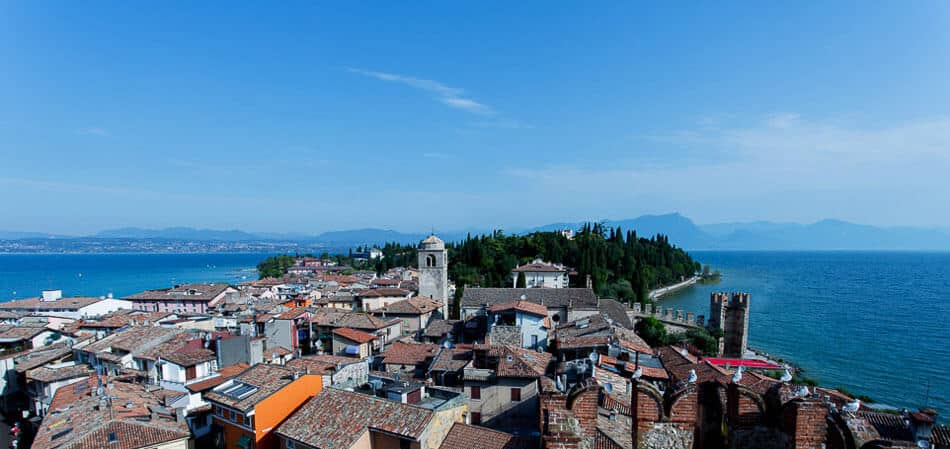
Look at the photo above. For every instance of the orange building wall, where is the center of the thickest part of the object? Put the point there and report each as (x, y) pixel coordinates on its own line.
(269, 413)
(232, 433)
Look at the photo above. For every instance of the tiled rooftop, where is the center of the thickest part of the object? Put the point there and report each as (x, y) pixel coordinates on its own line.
(400, 353)
(464, 436)
(268, 379)
(189, 292)
(353, 335)
(337, 419)
(76, 421)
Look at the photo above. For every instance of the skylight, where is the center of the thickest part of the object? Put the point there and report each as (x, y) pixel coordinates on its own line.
(239, 390)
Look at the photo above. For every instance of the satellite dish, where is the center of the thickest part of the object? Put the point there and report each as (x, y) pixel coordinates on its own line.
(609, 387)
(524, 297)
(447, 344)
(593, 357)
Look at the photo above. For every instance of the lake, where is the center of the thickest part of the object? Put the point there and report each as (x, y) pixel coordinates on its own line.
(873, 322)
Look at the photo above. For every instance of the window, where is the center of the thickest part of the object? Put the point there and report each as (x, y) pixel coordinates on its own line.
(191, 372)
(476, 418)
(476, 392)
(289, 444)
(534, 341)
(515, 394)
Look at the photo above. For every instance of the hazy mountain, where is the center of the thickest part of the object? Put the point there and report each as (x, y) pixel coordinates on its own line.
(368, 236)
(177, 233)
(683, 232)
(18, 235)
(832, 235)
(766, 235)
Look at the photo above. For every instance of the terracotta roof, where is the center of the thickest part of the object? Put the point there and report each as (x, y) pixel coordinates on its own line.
(337, 419)
(280, 351)
(587, 341)
(439, 328)
(122, 318)
(132, 339)
(21, 332)
(383, 292)
(190, 358)
(523, 306)
(223, 374)
(37, 303)
(37, 357)
(188, 292)
(353, 335)
(293, 314)
(517, 362)
(888, 426)
(941, 436)
(267, 379)
(353, 320)
(452, 359)
(312, 366)
(47, 374)
(137, 420)
(385, 281)
(320, 364)
(417, 305)
(464, 436)
(550, 297)
(400, 353)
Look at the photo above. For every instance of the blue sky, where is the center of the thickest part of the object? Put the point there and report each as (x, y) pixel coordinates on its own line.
(312, 117)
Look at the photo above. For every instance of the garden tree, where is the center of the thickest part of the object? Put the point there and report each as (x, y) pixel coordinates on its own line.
(652, 331)
(275, 266)
(521, 282)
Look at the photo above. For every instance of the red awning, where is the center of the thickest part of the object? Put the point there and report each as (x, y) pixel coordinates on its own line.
(760, 364)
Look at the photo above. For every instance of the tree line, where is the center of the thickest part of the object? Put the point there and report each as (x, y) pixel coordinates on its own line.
(620, 263)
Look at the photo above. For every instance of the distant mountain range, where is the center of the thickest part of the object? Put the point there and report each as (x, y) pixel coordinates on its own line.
(683, 232)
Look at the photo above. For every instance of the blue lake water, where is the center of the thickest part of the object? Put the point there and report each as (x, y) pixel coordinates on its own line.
(873, 322)
(26, 275)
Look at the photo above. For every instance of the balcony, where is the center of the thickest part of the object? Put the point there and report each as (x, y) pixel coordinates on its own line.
(478, 374)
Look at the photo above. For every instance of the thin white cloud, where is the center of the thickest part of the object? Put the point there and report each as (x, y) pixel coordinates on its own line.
(449, 96)
(435, 155)
(780, 164)
(502, 124)
(96, 132)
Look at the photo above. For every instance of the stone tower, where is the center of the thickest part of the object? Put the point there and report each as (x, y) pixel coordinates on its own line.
(433, 271)
(731, 315)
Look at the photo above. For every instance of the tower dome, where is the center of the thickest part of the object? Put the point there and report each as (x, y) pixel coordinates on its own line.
(432, 243)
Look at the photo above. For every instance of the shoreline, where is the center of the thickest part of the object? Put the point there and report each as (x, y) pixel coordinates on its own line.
(658, 293)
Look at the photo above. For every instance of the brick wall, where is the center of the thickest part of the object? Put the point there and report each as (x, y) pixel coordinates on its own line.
(743, 411)
(584, 409)
(646, 410)
(805, 421)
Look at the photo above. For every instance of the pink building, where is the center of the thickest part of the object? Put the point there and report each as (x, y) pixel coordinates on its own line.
(190, 298)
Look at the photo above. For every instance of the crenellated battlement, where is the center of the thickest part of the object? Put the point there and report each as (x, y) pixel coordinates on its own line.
(729, 312)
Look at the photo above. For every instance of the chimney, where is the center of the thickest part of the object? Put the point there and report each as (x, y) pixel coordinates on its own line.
(217, 350)
(922, 424)
(590, 282)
